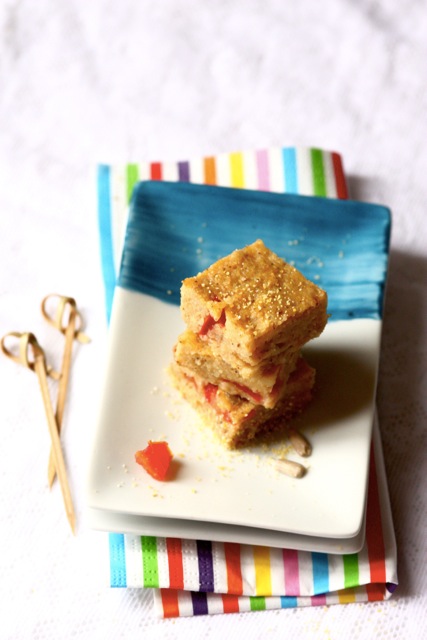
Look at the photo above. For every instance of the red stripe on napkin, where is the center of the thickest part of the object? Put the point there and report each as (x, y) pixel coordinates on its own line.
(230, 603)
(176, 569)
(156, 171)
(170, 603)
(374, 533)
(234, 570)
(340, 181)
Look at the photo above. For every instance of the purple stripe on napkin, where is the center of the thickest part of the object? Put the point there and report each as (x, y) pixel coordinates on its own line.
(200, 603)
(184, 171)
(206, 574)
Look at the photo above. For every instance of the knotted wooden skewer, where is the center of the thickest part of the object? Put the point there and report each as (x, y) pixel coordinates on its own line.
(67, 320)
(31, 355)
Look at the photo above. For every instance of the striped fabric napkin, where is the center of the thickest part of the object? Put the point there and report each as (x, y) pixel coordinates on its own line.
(191, 577)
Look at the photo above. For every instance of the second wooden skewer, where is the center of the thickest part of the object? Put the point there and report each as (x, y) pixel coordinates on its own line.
(32, 356)
(71, 331)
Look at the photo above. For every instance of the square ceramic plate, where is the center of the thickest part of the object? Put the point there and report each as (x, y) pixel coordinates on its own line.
(174, 231)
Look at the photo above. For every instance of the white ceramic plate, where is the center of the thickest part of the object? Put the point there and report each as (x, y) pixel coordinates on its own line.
(110, 521)
(347, 253)
(214, 485)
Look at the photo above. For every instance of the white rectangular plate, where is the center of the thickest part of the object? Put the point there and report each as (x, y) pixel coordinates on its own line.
(215, 485)
(344, 246)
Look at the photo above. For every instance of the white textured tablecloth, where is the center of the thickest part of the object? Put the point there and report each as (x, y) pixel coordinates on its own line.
(84, 82)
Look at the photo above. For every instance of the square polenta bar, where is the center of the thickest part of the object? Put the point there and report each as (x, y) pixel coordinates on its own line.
(252, 306)
(261, 384)
(235, 420)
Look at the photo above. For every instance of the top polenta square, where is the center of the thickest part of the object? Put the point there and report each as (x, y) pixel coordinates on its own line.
(253, 307)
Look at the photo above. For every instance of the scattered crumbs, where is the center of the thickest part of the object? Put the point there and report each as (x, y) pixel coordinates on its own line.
(172, 269)
(225, 471)
(154, 390)
(316, 277)
(204, 224)
(193, 490)
(340, 254)
(135, 484)
(282, 450)
(170, 415)
(200, 240)
(169, 292)
(199, 251)
(181, 455)
(119, 485)
(198, 479)
(293, 242)
(108, 467)
(315, 260)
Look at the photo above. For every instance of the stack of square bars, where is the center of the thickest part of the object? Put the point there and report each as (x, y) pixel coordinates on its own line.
(239, 363)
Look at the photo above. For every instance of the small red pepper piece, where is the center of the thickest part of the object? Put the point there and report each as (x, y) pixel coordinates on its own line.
(155, 459)
(210, 391)
(209, 322)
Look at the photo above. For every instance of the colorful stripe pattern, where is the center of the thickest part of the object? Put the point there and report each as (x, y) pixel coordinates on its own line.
(301, 171)
(198, 577)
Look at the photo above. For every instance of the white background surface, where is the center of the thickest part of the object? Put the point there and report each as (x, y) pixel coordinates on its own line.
(83, 82)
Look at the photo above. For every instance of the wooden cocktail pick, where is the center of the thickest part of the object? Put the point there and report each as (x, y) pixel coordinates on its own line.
(67, 319)
(31, 355)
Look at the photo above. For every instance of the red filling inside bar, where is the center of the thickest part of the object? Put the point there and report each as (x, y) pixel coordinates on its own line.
(209, 322)
(210, 392)
(256, 397)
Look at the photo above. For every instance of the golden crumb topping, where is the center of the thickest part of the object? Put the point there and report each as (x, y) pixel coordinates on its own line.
(257, 289)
